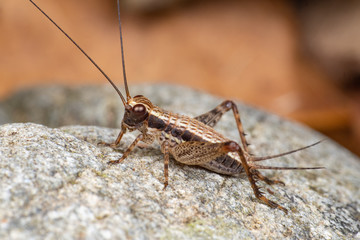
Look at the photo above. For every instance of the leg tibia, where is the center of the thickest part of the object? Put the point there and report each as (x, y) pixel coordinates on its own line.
(128, 151)
(212, 117)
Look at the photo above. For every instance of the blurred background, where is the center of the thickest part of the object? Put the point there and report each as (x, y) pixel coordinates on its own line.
(298, 59)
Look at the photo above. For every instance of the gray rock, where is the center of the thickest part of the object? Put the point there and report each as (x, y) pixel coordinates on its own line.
(55, 183)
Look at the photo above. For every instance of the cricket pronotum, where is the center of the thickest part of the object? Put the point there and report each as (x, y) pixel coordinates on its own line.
(191, 141)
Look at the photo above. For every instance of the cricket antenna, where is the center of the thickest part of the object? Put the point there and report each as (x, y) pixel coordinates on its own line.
(122, 53)
(91, 60)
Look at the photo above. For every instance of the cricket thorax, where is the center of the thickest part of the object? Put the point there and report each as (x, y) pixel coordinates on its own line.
(179, 128)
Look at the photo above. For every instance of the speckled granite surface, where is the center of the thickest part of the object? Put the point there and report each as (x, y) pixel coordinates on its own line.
(55, 182)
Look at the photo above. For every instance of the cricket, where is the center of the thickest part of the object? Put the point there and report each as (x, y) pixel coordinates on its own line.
(191, 141)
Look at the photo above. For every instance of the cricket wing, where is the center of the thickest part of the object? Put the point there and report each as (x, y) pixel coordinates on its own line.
(197, 153)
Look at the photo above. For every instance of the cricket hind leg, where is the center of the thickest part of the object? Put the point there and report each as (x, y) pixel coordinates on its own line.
(251, 159)
(253, 176)
(259, 176)
(212, 117)
(248, 161)
(255, 167)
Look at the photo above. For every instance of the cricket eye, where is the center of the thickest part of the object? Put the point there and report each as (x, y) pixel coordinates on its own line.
(139, 109)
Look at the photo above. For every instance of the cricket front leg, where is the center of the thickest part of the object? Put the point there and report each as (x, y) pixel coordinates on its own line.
(117, 141)
(128, 151)
(212, 117)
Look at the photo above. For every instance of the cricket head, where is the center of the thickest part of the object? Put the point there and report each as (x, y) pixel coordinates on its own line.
(136, 112)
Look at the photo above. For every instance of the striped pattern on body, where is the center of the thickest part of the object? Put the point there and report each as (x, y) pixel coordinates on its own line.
(177, 129)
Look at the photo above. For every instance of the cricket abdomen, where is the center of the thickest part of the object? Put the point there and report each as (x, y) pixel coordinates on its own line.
(225, 164)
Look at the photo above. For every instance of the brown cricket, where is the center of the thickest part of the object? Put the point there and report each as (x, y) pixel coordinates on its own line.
(191, 141)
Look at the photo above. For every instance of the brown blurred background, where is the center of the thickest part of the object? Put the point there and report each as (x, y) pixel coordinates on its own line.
(299, 59)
